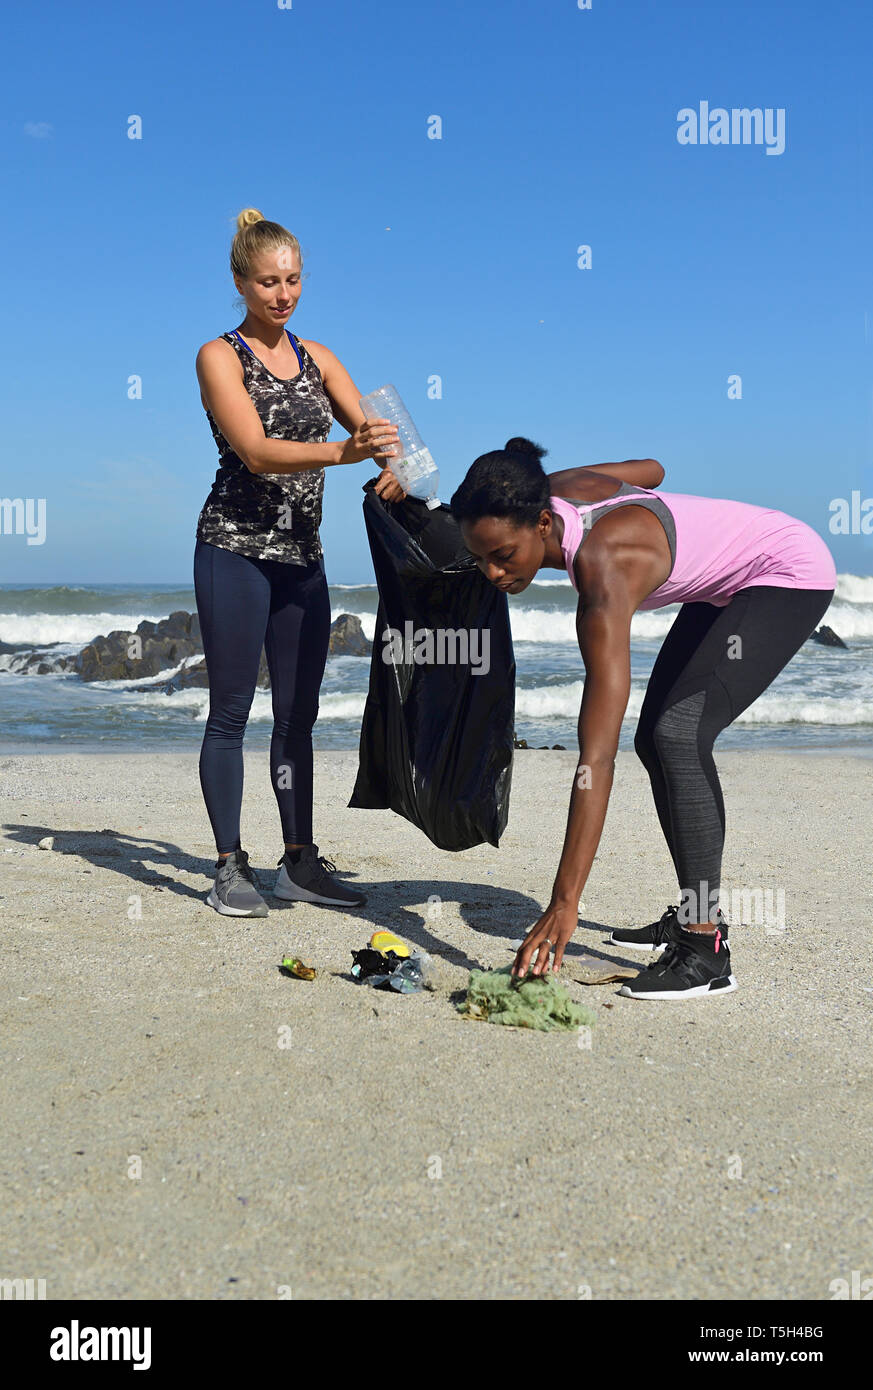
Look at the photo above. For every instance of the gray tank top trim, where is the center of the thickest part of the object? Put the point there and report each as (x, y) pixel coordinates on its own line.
(594, 512)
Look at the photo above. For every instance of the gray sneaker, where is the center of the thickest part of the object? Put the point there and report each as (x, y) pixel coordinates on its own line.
(309, 881)
(234, 892)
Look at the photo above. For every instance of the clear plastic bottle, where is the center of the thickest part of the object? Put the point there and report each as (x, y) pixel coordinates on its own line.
(414, 467)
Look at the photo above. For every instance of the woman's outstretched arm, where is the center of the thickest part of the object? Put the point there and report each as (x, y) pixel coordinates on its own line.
(638, 472)
(604, 637)
(614, 577)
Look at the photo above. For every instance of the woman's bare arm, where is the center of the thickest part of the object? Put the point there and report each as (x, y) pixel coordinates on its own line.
(603, 627)
(233, 410)
(604, 639)
(646, 473)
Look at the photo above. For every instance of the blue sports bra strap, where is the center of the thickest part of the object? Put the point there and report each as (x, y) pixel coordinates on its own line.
(295, 347)
(243, 341)
(251, 354)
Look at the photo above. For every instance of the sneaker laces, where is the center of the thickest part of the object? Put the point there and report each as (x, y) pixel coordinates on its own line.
(662, 927)
(325, 867)
(240, 868)
(320, 863)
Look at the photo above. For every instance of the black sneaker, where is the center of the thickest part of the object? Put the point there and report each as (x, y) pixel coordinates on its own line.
(692, 965)
(308, 880)
(657, 935)
(234, 892)
(654, 937)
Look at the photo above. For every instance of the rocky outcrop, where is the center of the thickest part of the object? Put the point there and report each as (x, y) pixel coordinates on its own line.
(828, 638)
(25, 660)
(196, 677)
(193, 677)
(347, 637)
(150, 649)
(156, 646)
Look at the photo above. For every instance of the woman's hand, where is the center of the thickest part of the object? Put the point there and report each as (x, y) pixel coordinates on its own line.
(372, 439)
(550, 933)
(388, 487)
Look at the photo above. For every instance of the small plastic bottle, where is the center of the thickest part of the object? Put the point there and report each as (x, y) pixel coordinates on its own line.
(414, 467)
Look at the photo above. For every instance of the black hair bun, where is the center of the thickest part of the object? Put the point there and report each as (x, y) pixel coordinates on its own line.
(524, 448)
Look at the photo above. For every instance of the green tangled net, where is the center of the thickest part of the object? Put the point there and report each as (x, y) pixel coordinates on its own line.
(537, 1002)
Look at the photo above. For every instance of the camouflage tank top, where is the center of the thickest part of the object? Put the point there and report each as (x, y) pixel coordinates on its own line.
(271, 516)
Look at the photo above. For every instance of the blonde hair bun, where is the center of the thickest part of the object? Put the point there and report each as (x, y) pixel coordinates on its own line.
(248, 217)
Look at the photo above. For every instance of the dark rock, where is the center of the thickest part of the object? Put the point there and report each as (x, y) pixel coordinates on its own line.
(559, 746)
(188, 678)
(519, 742)
(177, 625)
(39, 662)
(347, 637)
(828, 638)
(161, 644)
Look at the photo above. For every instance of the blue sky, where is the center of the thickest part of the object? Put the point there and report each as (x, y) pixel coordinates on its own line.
(559, 128)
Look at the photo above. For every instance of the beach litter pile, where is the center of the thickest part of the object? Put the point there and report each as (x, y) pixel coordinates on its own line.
(387, 963)
(494, 996)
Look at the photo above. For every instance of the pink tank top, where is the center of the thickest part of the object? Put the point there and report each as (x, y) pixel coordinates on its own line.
(718, 546)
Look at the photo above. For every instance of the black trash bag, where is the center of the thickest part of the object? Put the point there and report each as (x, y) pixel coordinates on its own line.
(437, 738)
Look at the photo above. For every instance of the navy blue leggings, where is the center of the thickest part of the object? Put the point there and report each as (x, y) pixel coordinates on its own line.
(245, 604)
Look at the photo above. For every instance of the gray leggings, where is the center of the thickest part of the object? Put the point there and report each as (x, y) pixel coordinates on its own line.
(714, 663)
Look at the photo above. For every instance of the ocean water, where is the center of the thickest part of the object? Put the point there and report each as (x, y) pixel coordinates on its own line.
(822, 701)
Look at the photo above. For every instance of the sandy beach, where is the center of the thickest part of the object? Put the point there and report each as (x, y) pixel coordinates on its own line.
(180, 1120)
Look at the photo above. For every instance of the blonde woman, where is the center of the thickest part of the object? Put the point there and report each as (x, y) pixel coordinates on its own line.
(270, 399)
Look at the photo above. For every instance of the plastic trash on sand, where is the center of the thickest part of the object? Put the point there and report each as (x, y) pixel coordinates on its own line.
(388, 969)
(293, 965)
(542, 1002)
(387, 941)
(436, 737)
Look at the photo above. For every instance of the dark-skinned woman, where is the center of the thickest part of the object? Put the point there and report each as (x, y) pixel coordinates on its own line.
(753, 584)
